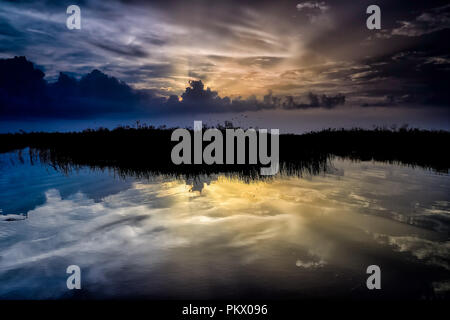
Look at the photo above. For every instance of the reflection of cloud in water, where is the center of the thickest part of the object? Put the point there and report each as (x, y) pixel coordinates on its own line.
(314, 262)
(432, 252)
(161, 237)
(441, 288)
(309, 264)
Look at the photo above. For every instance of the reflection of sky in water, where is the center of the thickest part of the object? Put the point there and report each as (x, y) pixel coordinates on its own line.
(285, 238)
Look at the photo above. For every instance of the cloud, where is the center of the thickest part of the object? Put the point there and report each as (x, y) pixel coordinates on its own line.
(314, 11)
(407, 78)
(321, 6)
(252, 41)
(236, 47)
(315, 101)
(201, 99)
(28, 95)
(122, 50)
(25, 94)
(434, 20)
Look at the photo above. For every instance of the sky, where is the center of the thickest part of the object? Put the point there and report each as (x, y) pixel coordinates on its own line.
(285, 60)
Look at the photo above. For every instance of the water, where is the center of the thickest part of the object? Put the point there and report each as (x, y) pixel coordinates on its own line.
(220, 237)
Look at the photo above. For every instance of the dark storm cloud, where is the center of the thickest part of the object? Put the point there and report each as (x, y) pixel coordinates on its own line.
(24, 93)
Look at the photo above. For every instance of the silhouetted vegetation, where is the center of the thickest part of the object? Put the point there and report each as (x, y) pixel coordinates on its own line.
(145, 151)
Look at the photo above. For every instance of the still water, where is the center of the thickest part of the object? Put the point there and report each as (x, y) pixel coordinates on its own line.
(219, 237)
